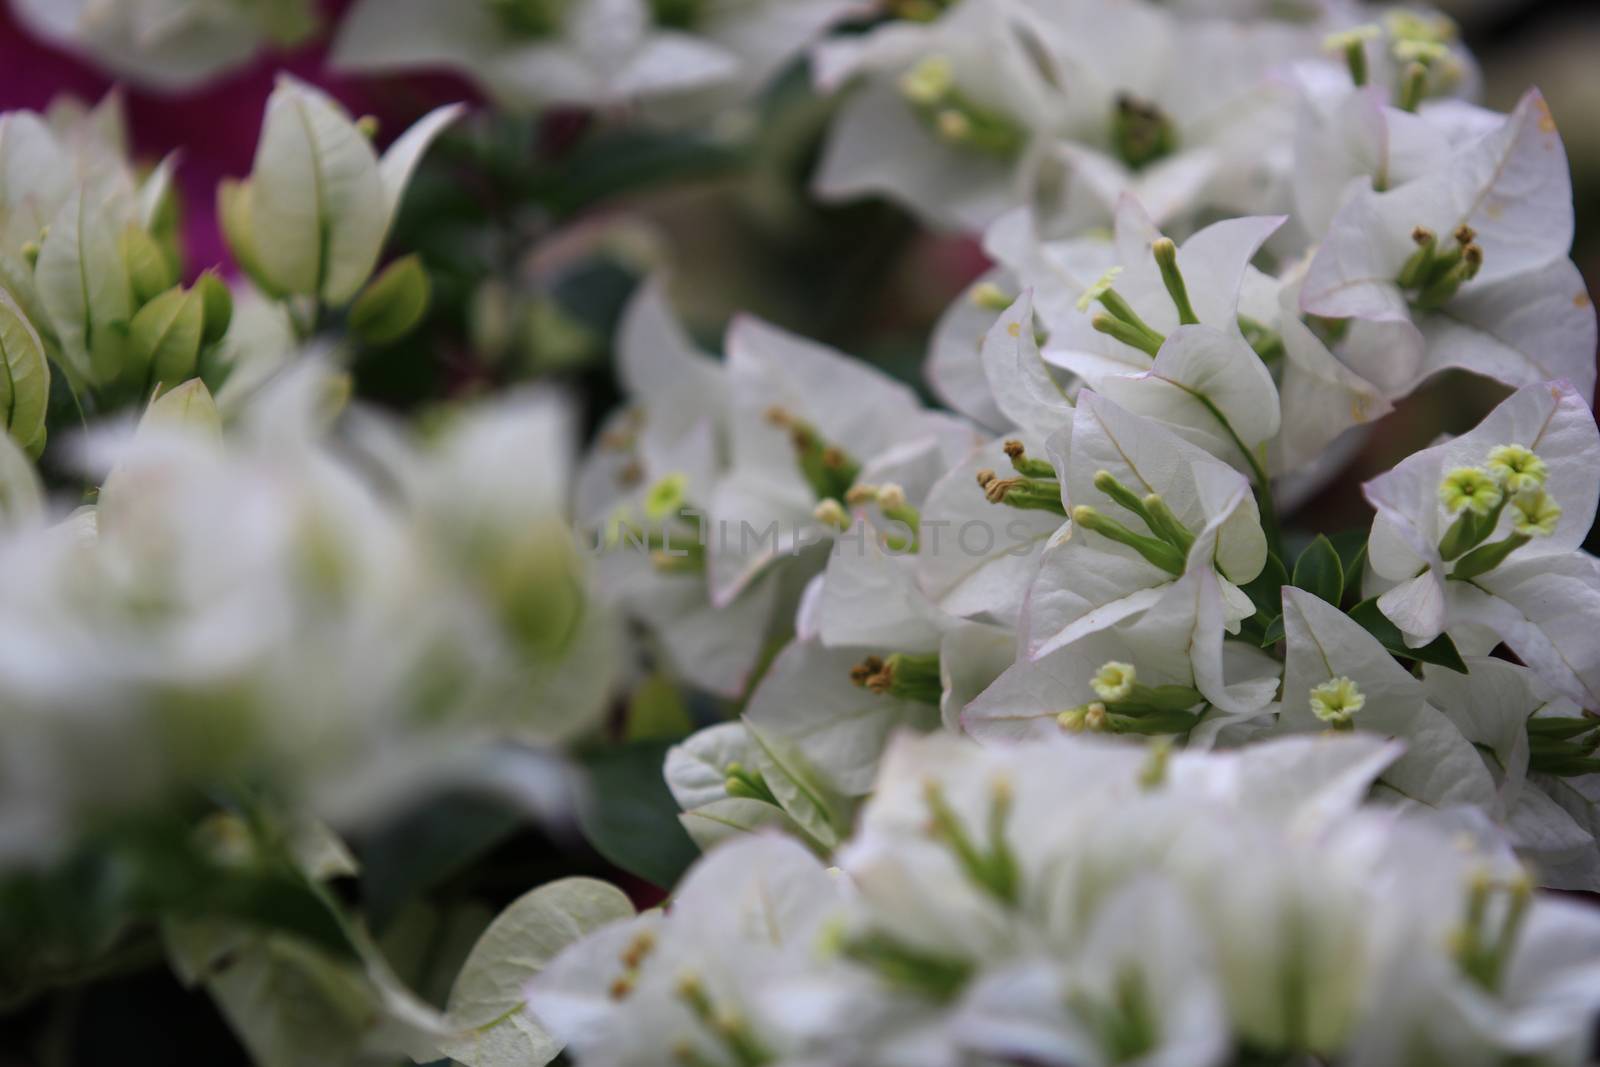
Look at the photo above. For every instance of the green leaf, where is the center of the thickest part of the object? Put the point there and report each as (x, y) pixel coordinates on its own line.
(25, 381)
(1352, 548)
(417, 851)
(82, 282)
(657, 710)
(393, 303)
(1273, 632)
(628, 814)
(1441, 651)
(165, 338)
(617, 161)
(486, 1002)
(1318, 571)
(1265, 590)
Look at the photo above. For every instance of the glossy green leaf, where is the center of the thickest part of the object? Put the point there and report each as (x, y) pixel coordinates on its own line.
(628, 814)
(393, 303)
(1441, 651)
(165, 337)
(1318, 571)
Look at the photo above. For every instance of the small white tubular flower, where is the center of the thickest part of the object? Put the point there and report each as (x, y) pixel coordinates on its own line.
(1338, 675)
(1525, 579)
(745, 920)
(1516, 467)
(1336, 701)
(1472, 488)
(1114, 681)
(1535, 513)
(805, 424)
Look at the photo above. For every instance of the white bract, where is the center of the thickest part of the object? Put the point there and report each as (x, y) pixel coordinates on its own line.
(1083, 902)
(171, 45)
(1463, 266)
(530, 54)
(1480, 537)
(1158, 530)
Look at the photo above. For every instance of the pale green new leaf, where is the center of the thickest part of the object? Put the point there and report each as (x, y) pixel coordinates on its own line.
(82, 282)
(319, 206)
(486, 1004)
(165, 335)
(189, 406)
(25, 383)
(401, 159)
(21, 493)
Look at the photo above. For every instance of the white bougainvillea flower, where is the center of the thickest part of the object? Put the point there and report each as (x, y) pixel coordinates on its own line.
(1137, 678)
(169, 44)
(1321, 397)
(1455, 550)
(1153, 518)
(1348, 139)
(719, 777)
(975, 559)
(1187, 115)
(529, 54)
(955, 368)
(823, 716)
(1025, 389)
(1145, 977)
(1160, 335)
(687, 984)
(644, 488)
(805, 422)
(946, 112)
(1465, 266)
(1338, 677)
(1535, 744)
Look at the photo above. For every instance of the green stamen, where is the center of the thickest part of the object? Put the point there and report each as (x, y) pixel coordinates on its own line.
(1159, 553)
(1166, 256)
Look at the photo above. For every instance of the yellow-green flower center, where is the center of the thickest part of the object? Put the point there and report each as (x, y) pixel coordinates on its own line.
(1114, 681)
(666, 497)
(1535, 513)
(1336, 701)
(1472, 488)
(1518, 468)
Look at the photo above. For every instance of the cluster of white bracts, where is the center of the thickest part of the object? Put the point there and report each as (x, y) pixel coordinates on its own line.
(329, 618)
(1228, 237)
(1078, 902)
(1095, 547)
